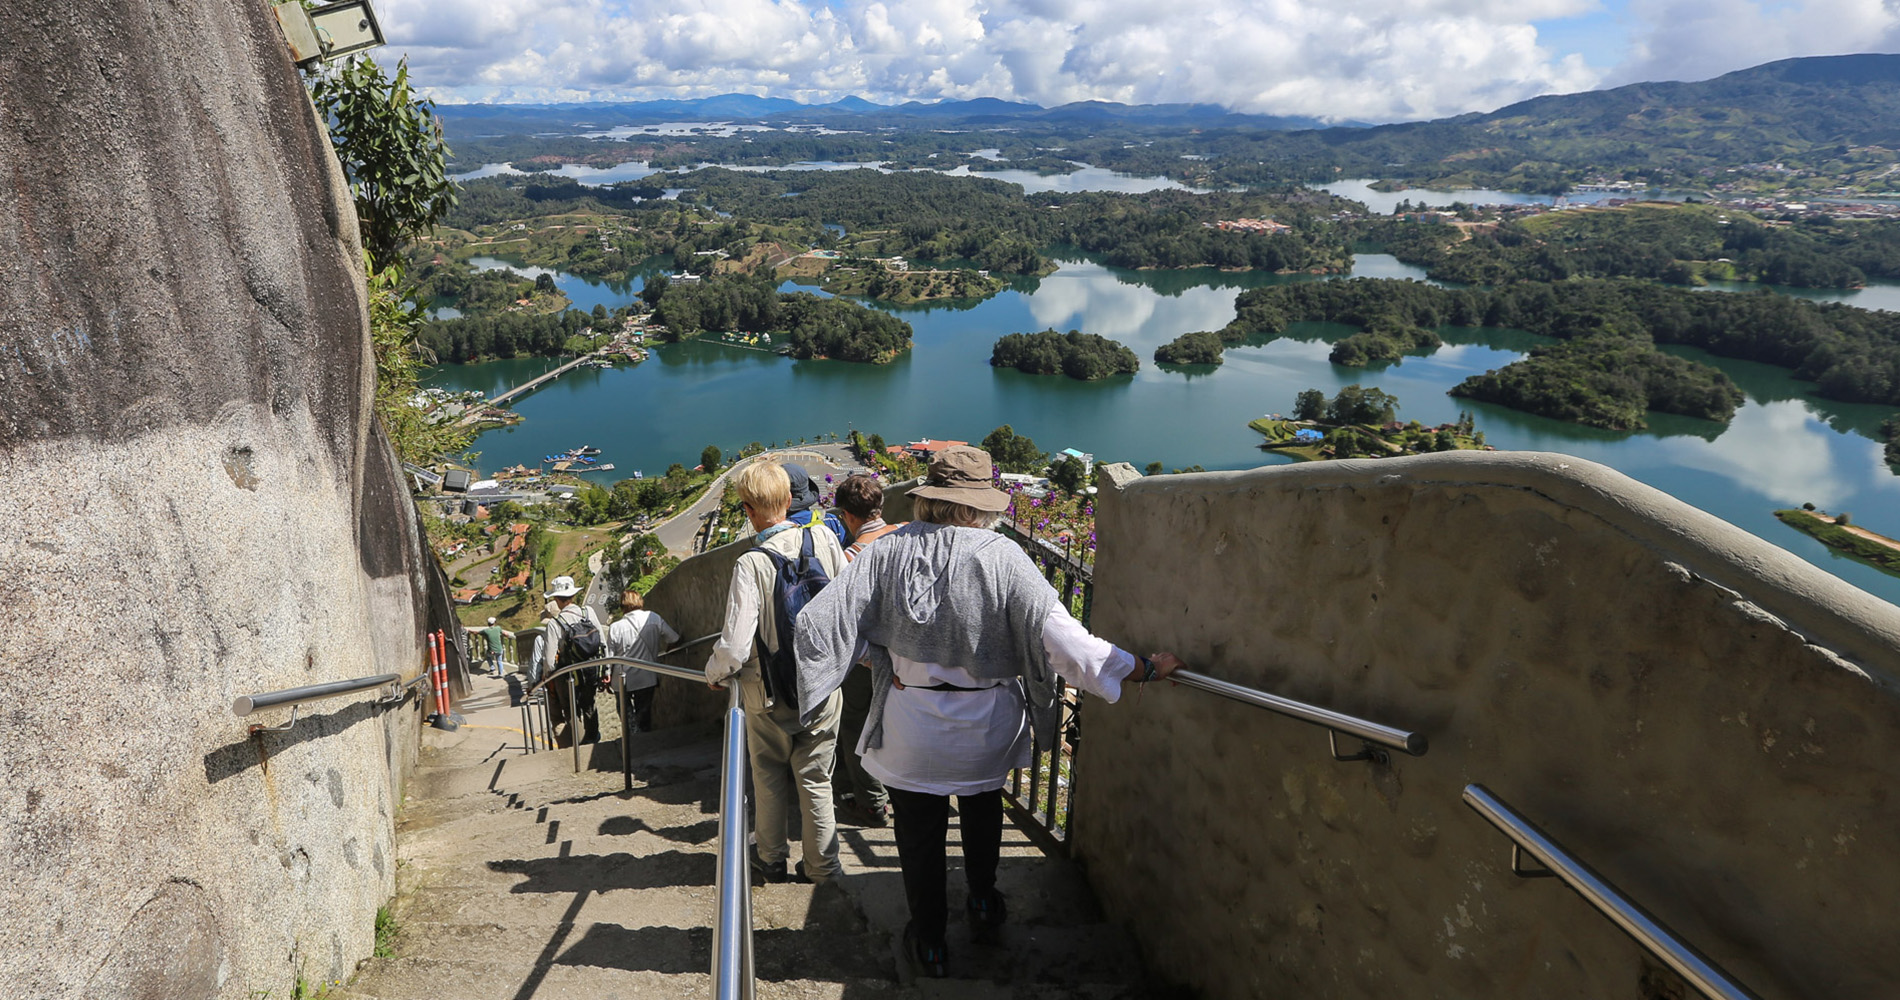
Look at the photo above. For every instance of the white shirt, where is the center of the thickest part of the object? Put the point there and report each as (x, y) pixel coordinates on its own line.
(749, 612)
(639, 635)
(965, 742)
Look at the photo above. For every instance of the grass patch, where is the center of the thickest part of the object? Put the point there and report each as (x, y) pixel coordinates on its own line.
(1856, 547)
(385, 933)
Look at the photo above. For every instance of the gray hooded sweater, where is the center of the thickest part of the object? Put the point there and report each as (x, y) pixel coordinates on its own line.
(960, 597)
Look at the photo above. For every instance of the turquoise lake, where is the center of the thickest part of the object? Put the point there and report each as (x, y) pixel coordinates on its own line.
(1783, 448)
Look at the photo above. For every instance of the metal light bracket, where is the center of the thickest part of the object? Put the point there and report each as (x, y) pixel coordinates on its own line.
(1366, 750)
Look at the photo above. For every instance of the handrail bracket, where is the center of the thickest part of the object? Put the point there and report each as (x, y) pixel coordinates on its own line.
(256, 729)
(1367, 751)
(1517, 864)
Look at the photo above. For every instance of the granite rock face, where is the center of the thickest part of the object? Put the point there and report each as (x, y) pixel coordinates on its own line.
(1705, 719)
(200, 507)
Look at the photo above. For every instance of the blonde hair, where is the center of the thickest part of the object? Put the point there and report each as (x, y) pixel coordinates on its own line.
(950, 512)
(765, 486)
(631, 600)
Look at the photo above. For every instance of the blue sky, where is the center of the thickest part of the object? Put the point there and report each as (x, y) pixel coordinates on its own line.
(1370, 60)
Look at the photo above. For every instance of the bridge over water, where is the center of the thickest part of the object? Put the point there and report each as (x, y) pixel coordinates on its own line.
(539, 380)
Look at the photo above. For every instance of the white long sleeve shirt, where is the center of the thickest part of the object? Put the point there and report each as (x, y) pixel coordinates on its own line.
(748, 596)
(964, 742)
(640, 635)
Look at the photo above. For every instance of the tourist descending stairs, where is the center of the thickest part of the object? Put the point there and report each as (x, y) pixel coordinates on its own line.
(519, 879)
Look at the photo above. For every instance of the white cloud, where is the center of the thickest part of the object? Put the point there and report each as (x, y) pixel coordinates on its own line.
(1369, 59)
(1699, 39)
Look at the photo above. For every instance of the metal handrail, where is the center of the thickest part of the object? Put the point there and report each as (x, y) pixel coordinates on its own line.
(1693, 966)
(732, 965)
(246, 704)
(732, 971)
(1334, 722)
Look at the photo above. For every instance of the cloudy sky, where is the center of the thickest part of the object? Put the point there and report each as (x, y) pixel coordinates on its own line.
(1373, 60)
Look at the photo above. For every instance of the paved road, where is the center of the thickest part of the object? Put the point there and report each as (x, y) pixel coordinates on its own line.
(677, 532)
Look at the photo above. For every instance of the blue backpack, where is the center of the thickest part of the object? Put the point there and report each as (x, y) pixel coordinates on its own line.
(793, 587)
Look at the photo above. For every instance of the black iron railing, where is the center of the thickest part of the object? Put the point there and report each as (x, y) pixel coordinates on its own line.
(1039, 796)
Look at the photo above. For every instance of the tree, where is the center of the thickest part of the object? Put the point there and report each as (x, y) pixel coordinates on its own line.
(1310, 404)
(709, 458)
(390, 145)
(1153, 469)
(544, 284)
(1068, 473)
(1012, 452)
(654, 290)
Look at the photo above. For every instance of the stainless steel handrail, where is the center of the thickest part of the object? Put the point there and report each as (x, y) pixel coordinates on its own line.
(690, 643)
(1693, 966)
(1336, 722)
(732, 970)
(732, 966)
(246, 704)
(683, 673)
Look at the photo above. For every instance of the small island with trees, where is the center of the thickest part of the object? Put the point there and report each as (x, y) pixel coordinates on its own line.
(1359, 423)
(1084, 356)
(1838, 532)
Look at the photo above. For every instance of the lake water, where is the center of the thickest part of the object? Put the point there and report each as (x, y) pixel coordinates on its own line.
(1081, 179)
(1386, 202)
(1783, 448)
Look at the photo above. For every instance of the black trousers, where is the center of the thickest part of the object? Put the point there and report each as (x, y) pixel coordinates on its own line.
(922, 824)
(640, 710)
(586, 683)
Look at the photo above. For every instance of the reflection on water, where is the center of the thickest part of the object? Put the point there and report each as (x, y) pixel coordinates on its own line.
(1783, 448)
(1387, 202)
(1081, 179)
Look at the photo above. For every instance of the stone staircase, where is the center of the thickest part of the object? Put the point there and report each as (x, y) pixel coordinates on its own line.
(519, 878)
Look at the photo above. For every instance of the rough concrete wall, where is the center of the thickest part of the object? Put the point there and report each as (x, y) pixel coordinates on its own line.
(199, 508)
(1706, 720)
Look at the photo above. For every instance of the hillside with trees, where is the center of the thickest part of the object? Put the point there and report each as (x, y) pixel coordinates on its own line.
(1678, 244)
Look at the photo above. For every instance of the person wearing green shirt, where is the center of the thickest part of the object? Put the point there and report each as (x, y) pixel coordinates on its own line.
(493, 634)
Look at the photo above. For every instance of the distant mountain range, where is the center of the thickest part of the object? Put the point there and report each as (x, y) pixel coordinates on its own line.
(857, 112)
(1810, 112)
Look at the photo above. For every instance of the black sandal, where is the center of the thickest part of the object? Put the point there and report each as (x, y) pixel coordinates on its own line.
(987, 912)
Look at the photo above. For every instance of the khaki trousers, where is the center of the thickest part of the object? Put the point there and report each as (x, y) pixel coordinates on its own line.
(787, 757)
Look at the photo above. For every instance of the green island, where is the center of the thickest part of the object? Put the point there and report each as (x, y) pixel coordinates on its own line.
(811, 327)
(1359, 422)
(1082, 356)
(1837, 532)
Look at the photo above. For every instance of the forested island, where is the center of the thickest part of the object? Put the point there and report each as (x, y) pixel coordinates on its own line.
(1852, 355)
(814, 327)
(1680, 244)
(1083, 356)
(1606, 381)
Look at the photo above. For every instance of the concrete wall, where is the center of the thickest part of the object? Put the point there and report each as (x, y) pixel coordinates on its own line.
(1708, 721)
(199, 507)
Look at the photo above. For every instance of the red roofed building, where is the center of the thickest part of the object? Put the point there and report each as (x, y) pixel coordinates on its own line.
(492, 591)
(930, 446)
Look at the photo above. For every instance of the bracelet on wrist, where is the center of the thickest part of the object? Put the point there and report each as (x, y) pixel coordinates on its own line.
(1147, 669)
